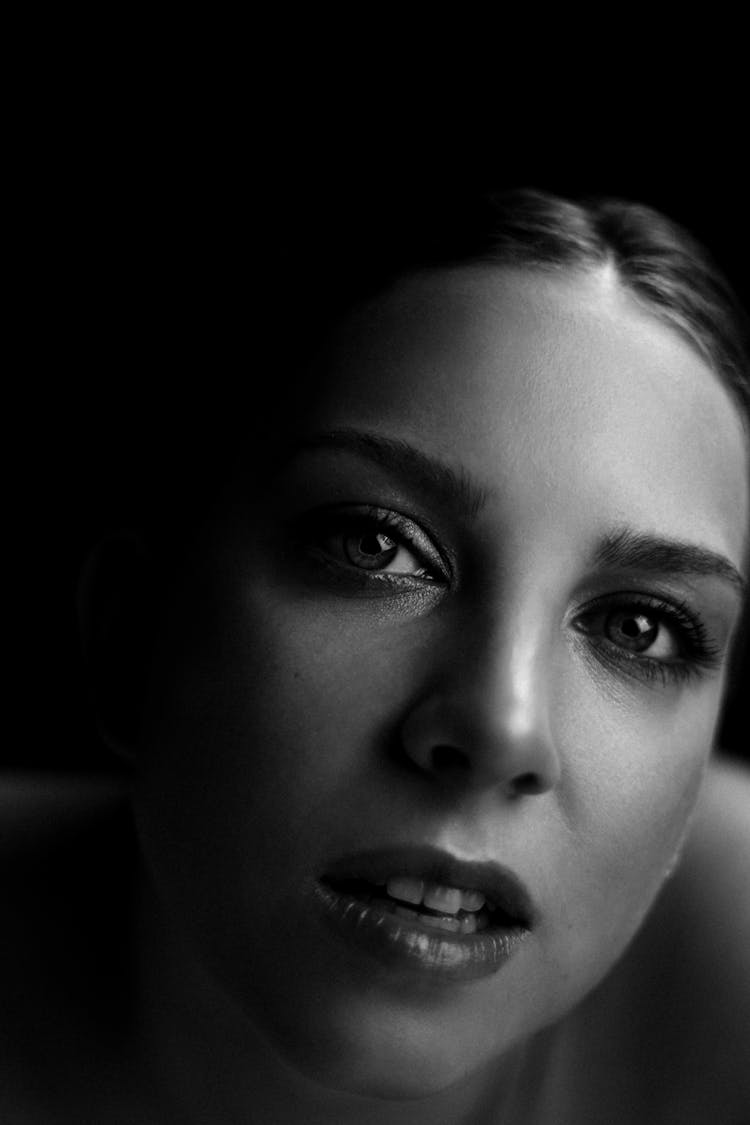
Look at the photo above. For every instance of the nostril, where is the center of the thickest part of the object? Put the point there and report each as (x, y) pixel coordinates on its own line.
(466, 746)
(526, 784)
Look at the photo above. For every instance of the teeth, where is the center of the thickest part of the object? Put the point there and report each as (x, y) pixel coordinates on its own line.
(468, 925)
(445, 899)
(448, 900)
(405, 889)
(472, 900)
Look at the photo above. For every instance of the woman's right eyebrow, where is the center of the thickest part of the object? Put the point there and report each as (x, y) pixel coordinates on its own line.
(448, 485)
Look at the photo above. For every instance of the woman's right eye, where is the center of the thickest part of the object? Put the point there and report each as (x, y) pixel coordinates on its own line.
(376, 552)
(378, 543)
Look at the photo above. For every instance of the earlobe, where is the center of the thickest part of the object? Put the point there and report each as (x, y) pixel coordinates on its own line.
(117, 606)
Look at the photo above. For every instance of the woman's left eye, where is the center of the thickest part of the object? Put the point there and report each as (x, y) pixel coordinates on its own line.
(649, 637)
(638, 631)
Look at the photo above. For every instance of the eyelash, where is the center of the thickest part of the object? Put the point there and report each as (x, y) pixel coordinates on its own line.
(367, 520)
(697, 653)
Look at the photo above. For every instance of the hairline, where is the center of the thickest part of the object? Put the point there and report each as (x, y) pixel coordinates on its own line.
(582, 266)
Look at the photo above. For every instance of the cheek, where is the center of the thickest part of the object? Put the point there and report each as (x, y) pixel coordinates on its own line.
(267, 750)
(635, 762)
(269, 718)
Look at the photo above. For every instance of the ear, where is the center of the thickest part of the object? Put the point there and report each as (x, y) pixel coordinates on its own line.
(117, 609)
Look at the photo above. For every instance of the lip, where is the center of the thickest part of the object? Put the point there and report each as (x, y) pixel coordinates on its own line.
(401, 944)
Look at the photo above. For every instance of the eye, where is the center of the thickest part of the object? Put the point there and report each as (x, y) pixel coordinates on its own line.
(648, 637)
(373, 550)
(373, 544)
(640, 632)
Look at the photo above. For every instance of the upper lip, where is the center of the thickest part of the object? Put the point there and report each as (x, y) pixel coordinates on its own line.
(500, 886)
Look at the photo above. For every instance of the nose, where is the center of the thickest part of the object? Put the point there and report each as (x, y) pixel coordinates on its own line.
(485, 721)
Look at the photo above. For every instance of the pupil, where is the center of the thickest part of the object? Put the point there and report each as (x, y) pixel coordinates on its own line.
(633, 626)
(371, 545)
(370, 551)
(635, 631)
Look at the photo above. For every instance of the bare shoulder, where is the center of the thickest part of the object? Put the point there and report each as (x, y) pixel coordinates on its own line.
(704, 941)
(715, 869)
(710, 892)
(64, 879)
(670, 1027)
(36, 807)
(724, 803)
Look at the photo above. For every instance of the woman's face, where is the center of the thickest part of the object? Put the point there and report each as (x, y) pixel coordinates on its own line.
(477, 624)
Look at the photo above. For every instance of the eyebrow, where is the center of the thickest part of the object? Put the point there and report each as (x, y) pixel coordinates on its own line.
(632, 550)
(624, 547)
(451, 486)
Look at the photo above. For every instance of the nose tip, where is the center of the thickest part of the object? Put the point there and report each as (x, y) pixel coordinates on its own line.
(461, 744)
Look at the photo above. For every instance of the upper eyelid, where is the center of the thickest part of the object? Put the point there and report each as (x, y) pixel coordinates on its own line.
(389, 519)
(707, 612)
(688, 623)
(657, 601)
(677, 613)
(446, 557)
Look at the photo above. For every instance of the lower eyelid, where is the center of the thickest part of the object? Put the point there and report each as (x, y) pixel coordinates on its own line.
(349, 581)
(647, 669)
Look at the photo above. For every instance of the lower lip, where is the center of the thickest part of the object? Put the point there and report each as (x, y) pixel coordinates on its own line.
(401, 944)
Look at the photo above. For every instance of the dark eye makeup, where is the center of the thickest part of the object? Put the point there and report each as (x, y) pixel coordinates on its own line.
(376, 549)
(372, 544)
(649, 636)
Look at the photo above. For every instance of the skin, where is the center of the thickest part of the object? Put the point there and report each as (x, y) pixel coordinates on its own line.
(302, 709)
(295, 707)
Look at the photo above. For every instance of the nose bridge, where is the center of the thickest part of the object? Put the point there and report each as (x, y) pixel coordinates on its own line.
(507, 669)
(486, 716)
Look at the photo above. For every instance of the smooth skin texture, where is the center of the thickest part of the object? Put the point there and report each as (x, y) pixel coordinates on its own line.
(299, 699)
(474, 688)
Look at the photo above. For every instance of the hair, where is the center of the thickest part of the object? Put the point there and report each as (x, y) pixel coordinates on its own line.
(658, 261)
(210, 373)
(668, 271)
(215, 374)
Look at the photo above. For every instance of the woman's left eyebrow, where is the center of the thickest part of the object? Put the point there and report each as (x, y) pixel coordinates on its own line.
(632, 550)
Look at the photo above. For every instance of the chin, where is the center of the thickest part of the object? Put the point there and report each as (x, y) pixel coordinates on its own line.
(390, 1057)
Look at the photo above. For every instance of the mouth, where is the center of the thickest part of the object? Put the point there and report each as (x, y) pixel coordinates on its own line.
(424, 910)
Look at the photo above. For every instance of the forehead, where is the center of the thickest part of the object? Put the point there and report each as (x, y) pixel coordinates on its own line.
(563, 377)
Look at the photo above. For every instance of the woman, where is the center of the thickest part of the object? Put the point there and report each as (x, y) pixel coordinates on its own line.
(428, 823)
